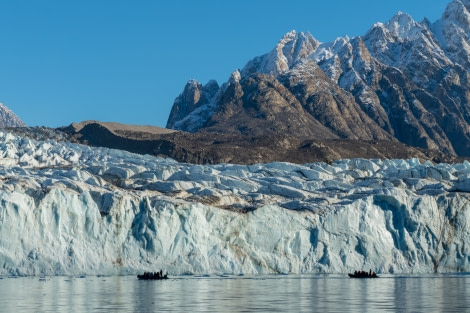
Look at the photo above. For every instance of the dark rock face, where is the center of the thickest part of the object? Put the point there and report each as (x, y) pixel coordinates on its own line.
(212, 148)
(195, 97)
(261, 106)
(403, 81)
(329, 104)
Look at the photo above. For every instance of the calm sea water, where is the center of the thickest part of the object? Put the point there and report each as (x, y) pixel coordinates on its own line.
(290, 293)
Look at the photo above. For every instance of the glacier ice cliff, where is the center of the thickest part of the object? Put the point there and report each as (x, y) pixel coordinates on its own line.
(68, 209)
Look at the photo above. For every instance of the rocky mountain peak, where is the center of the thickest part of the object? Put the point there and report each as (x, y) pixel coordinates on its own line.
(192, 93)
(235, 77)
(292, 47)
(193, 105)
(453, 30)
(8, 118)
(457, 12)
(403, 27)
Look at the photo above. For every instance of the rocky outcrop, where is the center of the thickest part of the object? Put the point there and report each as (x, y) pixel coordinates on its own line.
(193, 106)
(260, 105)
(214, 148)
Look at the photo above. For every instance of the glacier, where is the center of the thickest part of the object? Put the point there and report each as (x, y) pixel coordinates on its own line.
(69, 209)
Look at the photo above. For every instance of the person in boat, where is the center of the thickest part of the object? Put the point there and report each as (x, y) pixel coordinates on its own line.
(153, 275)
(364, 274)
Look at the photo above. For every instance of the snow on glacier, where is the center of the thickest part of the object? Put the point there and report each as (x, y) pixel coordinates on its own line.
(68, 209)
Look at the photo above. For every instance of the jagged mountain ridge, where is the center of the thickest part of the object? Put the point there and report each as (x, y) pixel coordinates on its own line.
(402, 81)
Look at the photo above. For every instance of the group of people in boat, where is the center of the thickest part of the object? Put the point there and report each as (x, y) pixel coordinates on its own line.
(153, 275)
(363, 274)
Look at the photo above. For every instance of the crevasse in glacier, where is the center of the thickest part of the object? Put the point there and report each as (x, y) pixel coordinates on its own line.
(72, 209)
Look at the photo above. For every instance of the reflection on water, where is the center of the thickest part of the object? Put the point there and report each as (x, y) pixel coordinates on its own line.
(319, 293)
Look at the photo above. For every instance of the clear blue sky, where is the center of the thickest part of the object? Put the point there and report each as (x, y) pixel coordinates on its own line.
(64, 61)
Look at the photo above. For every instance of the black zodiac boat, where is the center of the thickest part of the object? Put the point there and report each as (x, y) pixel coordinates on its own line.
(153, 276)
(362, 274)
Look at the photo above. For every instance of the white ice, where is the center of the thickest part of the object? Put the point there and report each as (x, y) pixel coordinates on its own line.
(68, 209)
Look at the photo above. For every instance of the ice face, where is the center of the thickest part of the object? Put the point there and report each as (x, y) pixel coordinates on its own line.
(68, 209)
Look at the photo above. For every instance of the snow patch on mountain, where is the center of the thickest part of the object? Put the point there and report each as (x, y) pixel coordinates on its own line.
(8, 118)
(403, 27)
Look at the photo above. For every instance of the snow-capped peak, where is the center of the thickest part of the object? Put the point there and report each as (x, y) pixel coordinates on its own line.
(403, 26)
(8, 118)
(289, 36)
(453, 31)
(235, 77)
(457, 13)
(292, 47)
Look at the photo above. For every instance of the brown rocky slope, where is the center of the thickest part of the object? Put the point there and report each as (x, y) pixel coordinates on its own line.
(212, 148)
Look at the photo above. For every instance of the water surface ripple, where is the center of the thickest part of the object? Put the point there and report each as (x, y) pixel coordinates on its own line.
(283, 293)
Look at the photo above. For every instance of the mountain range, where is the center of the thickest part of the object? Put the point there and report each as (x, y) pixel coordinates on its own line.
(402, 90)
(403, 81)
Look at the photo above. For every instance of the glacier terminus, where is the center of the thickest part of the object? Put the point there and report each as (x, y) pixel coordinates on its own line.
(69, 209)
